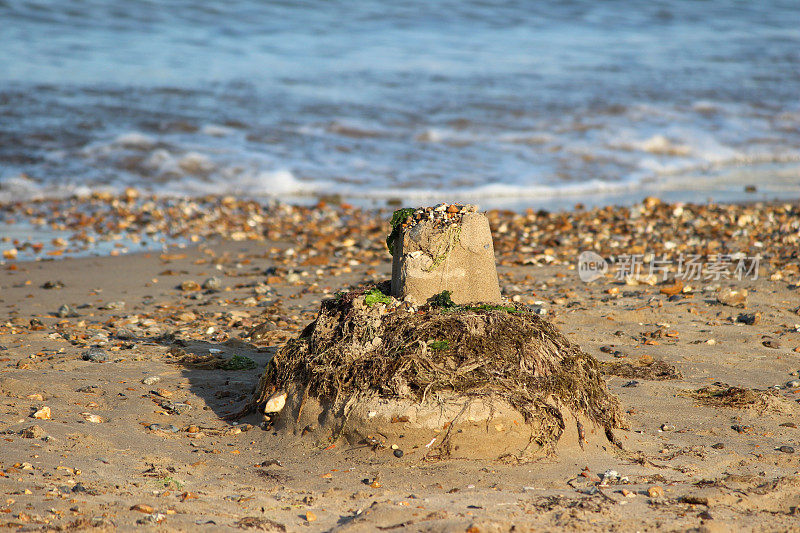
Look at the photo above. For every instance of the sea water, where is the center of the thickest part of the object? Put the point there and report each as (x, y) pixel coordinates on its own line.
(515, 103)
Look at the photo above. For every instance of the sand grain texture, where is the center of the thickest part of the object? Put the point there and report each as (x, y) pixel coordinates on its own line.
(164, 457)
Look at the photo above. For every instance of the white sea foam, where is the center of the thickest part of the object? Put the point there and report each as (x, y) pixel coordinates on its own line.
(215, 130)
(134, 139)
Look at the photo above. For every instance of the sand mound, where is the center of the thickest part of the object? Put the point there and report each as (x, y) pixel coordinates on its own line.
(442, 380)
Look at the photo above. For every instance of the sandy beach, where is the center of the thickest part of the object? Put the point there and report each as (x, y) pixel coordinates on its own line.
(117, 372)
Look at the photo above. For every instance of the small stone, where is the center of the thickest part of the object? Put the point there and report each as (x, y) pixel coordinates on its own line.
(53, 285)
(261, 331)
(66, 311)
(190, 285)
(718, 446)
(163, 427)
(749, 318)
(153, 518)
(786, 449)
(667, 427)
(212, 284)
(142, 508)
(310, 516)
(398, 453)
(95, 355)
(33, 432)
(673, 290)
(114, 306)
(42, 414)
(632, 383)
(732, 297)
(175, 407)
(130, 194)
(771, 343)
(151, 380)
(655, 492)
(89, 417)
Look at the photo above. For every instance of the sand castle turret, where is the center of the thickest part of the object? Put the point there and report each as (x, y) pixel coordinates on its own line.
(443, 248)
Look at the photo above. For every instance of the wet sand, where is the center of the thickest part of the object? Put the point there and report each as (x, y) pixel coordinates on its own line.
(119, 453)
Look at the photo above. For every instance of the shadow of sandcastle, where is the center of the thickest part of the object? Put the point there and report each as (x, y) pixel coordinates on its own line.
(435, 364)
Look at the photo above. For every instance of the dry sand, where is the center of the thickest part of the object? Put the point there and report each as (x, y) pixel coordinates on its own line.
(686, 464)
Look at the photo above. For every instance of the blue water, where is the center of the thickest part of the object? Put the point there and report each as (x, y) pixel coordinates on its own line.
(532, 102)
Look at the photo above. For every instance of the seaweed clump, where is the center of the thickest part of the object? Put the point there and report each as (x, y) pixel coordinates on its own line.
(398, 218)
(353, 350)
(722, 395)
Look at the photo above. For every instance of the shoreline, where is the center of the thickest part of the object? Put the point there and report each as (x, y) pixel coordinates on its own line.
(106, 224)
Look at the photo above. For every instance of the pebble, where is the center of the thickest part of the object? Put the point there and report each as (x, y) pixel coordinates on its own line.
(261, 331)
(190, 285)
(609, 476)
(89, 417)
(440, 214)
(163, 427)
(153, 518)
(33, 432)
(732, 297)
(95, 355)
(398, 453)
(749, 318)
(151, 380)
(66, 311)
(655, 491)
(771, 343)
(785, 449)
(632, 383)
(212, 284)
(175, 407)
(114, 306)
(667, 427)
(42, 414)
(718, 446)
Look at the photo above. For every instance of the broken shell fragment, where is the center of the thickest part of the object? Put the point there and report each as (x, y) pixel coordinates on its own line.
(275, 402)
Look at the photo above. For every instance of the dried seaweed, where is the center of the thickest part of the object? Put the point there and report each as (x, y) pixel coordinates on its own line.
(653, 370)
(722, 395)
(352, 349)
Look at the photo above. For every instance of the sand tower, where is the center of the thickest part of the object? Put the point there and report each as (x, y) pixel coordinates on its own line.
(443, 248)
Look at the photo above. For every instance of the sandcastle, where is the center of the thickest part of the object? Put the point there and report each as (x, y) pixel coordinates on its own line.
(443, 248)
(435, 364)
